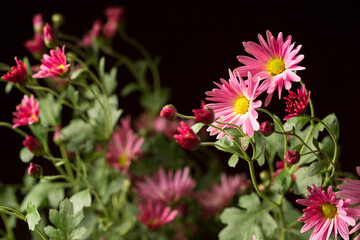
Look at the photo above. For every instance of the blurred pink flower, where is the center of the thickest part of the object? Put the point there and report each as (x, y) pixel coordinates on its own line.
(109, 29)
(94, 33)
(53, 65)
(163, 187)
(235, 102)
(296, 102)
(38, 22)
(154, 215)
(325, 213)
(221, 194)
(36, 45)
(124, 146)
(27, 113)
(275, 61)
(49, 35)
(115, 13)
(33, 145)
(17, 74)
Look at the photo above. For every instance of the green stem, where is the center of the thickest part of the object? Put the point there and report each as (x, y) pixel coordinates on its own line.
(103, 166)
(67, 162)
(9, 231)
(17, 130)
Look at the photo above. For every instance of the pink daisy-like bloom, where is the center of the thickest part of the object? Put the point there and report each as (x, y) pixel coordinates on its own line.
(235, 102)
(275, 61)
(54, 65)
(297, 102)
(27, 113)
(187, 138)
(221, 195)
(17, 74)
(325, 213)
(36, 45)
(154, 215)
(164, 187)
(351, 189)
(124, 146)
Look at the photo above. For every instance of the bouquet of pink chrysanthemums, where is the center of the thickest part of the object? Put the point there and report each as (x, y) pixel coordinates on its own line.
(153, 176)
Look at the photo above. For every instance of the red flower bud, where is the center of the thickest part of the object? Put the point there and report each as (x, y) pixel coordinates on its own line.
(187, 138)
(204, 115)
(33, 145)
(267, 128)
(292, 157)
(168, 112)
(35, 170)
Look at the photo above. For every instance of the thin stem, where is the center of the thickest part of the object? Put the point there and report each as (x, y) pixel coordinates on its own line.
(67, 162)
(9, 231)
(17, 130)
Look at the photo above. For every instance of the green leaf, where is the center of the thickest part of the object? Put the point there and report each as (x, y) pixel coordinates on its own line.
(102, 68)
(50, 111)
(77, 73)
(197, 127)
(78, 135)
(233, 160)
(316, 167)
(128, 89)
(25, 155)
(260, 145)
(32, 216)
(253, 219)
(4, 67)
(65, 222)
(110, 81)
(55, 196)
(298, 122)
(81, 199)
(303, 180)
(332, 122)
(282, 181)
(8, 87)
(227, 145)
(233, 132)
(73, 95)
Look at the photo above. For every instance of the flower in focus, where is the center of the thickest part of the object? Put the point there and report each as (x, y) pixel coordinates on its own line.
(38, 22)
(221, 195)
(204, 115)
(296, 102)
(53, 65)
(35, 170)
(33, 145)
(325, 213)
(36, 45)
(235, 103)
(49, 35)
(166, 188)
(187, 138)
(154, 215)
(292, 157)
(169, 112)
(17, 74)
(267, 128)
(27, 113)
(275, 61)
(124, 146)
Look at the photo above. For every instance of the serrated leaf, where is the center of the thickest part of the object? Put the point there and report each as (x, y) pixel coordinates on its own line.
(298, 122)
(260, 145)
(233, 160)
(197, 127)
(316, 167)
(25, 155)
(282, 181)
(32, 216)
(303, 180)
(81, 199)
(332, 122)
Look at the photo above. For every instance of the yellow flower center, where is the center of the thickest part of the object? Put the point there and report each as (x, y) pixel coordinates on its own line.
(328, 210)
(276, 66)
(61, 66)
(241, 105)
(122, 160)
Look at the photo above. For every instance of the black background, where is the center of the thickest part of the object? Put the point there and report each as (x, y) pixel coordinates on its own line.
(198, 41)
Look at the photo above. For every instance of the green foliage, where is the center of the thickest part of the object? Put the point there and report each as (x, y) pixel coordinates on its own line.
(32, 216)
(66, 223)
(78, 135)
(80, 200)
(304, 180)
(25, 155)
(233, 160)
(260, 145)
(282, 181)
(252, 218)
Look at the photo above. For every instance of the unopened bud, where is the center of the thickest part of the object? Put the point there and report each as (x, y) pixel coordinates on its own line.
(204, 115)
(33, 145)
(49, 35)
(267, 128)
(292, 157)
(35, 170)
(57, 19)
(168, 112)
(264, 175)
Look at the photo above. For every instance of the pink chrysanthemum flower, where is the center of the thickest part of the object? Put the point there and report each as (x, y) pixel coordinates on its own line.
(221, 195)
(297, 102)
(36, 45)
(275, 61)
(155, 215)
(27, 113)
(17, 74)
(54, 65)
(187, 138)
(325, 213)
(164, 187)
(124, 146)
(235, 102)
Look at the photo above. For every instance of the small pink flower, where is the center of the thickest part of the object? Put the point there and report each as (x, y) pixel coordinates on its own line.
(155, 215)
(36, 45)
(38, 22)
(124, 146)
(275, 61)
(187, 138)
(49, 35)
(204, 115)
(235, 102)
(115, 13)
(167, 188)
(296, 102)
(17, 74)
(53, 65)
(33, 145)
(35, 170)
(325, 213)
(109, 29)
(221, 195)
(27, 113)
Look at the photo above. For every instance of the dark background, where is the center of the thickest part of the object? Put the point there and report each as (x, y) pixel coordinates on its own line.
(198, 41)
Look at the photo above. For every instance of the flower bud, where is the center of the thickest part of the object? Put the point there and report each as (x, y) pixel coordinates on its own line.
(187, 138)
(35, 170)
(57, 135)
(292, 157)
(37, 22)
(57, 19)
(49, 35)
(267, 128)
(264, 175)
(168, 112)
(33, 145)
(204, 115)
